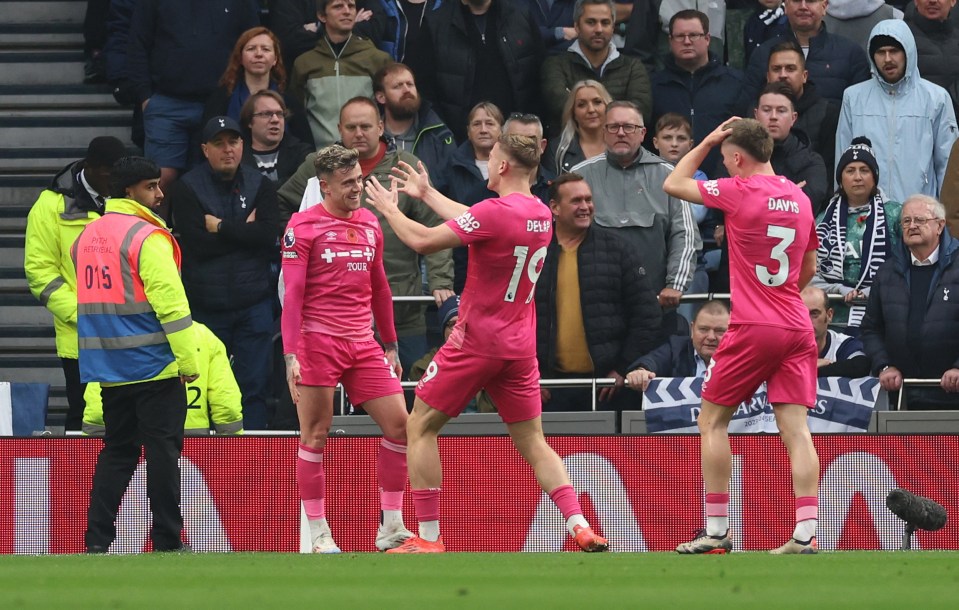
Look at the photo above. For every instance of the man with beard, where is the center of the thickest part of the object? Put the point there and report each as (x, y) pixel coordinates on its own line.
(411, 121)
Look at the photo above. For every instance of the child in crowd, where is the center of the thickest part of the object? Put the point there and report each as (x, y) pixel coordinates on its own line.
(673, 139)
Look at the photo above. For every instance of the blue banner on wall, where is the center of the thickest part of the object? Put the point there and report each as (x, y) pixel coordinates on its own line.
(842, 405)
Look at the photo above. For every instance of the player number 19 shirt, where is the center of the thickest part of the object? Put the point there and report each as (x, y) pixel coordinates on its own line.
(507, 239)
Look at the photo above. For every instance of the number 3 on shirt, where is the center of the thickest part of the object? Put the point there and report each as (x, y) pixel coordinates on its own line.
(785, 235)
(533, 269)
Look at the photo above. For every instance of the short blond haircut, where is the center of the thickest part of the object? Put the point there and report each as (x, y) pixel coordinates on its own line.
(524, 150)
(333, 158)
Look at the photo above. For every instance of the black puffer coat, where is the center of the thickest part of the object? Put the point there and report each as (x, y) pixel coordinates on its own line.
(620, 313)
(885, 334)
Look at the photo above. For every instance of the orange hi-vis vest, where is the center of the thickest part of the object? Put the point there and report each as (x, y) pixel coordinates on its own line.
(120, 336)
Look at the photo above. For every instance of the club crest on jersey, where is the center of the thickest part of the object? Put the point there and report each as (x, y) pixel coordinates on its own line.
(371, 237)
(289, 239)
(352, 236)
(467, 223)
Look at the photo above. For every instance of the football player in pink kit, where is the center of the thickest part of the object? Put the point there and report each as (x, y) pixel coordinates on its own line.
(492, 345)
(333, 268)
(772, 254)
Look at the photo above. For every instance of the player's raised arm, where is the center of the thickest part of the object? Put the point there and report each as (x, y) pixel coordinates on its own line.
(425, 240)
(415, 182)
(680, 183)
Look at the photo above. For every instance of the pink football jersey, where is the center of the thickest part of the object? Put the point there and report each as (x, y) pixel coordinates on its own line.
(507, 239)
(769, 227)
(343, 259)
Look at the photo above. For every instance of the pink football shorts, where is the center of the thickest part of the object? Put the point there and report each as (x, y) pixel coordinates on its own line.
(454, 377)
(750, 354)
(360, 366)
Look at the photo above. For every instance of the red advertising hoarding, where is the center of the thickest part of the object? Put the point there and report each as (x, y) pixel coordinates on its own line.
(643, 492)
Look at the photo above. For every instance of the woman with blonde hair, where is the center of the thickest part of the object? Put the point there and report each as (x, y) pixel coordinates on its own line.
(584, 117)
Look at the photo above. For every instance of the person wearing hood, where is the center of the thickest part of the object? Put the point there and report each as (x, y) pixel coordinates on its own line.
(911, 326)
(857, 232)
(74, 199)
(933, 24)
(855, 19)
(905, 116)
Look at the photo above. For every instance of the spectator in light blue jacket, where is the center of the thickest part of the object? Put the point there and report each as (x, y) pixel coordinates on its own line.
(910, 121)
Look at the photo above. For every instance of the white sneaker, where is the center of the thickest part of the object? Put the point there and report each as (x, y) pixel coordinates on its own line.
(324, 543)
(391, 536)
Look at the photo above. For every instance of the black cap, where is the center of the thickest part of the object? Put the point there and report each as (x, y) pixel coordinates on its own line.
(449, 308)
(218, 125)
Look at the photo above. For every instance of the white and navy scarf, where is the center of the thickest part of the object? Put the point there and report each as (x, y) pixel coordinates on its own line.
(832, 247)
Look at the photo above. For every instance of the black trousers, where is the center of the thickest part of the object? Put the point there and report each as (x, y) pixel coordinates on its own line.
(150, 414)
(75, 390)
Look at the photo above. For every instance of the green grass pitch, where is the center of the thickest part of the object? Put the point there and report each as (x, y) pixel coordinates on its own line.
(492, 581)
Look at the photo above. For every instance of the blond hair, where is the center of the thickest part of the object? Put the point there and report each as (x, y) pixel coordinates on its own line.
(524, 150)
(333, 158)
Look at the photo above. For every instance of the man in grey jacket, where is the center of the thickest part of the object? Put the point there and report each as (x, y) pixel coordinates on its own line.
(627, 186)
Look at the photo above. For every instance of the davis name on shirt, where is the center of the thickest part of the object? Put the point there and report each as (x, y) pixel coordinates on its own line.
(783, 205)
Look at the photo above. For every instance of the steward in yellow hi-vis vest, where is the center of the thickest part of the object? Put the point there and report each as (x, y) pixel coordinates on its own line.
(213, 400)
(73, 200)
(136, 339)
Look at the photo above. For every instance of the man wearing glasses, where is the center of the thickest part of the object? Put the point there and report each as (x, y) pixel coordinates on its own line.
(911, 327)
(627, 187)
(834, 62)
(695, 82)
(273, 151)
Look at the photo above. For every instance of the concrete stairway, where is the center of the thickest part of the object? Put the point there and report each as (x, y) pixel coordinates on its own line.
(47, 118)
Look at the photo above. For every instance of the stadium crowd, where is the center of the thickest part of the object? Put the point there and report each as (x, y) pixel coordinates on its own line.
(859, 97)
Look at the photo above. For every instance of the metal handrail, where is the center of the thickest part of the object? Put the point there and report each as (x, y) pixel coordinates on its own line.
(919, 382)
(694, 297)
(601, 382)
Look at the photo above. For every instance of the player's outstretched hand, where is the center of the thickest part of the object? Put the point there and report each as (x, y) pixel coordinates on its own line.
(413, 182)
(721, 133)
(381, 198)
(293, 376)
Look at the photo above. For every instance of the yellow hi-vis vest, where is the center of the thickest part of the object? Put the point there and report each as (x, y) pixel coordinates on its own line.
(213, 400)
